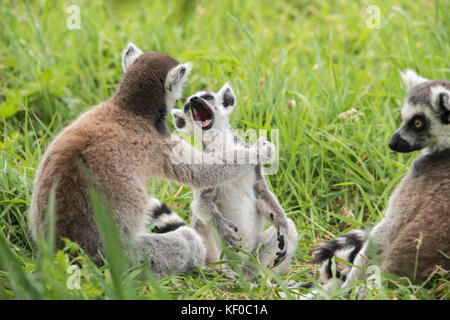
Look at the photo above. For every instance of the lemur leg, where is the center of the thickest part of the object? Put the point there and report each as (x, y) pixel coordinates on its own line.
(192, 167)
(213, 246)
(172, 252)
(380, 236)
(269, 206)
(226, 227)
(176, 251)
(269, 254)
(204, 230)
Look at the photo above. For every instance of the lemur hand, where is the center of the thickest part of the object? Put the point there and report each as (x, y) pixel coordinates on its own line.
(282, 235)
(265, 150)
(228, 230)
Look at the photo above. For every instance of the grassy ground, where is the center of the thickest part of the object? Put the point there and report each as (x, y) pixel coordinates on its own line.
(296, 66)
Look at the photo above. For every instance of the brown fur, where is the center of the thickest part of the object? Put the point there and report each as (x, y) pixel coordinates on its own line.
(422, 205)
(122, 141)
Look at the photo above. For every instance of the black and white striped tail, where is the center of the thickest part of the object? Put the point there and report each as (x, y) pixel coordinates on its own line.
(345, 247)
(163, 218)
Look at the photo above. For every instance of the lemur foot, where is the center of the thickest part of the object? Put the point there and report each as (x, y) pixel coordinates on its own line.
(225, 270)
(228, 230)
(301, 290)
(281, 255)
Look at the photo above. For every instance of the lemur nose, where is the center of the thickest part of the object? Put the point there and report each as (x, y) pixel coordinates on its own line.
(194, 98)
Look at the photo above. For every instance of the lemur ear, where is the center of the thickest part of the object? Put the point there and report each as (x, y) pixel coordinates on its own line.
(444, 101)
(411, 79)
(440, 100)
(174, 83)
(178, 117)
(227, 97)
(177, 76)
(129, 55)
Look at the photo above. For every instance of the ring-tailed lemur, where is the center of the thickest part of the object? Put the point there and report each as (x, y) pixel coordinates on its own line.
(122, 142)
(414, 235)
(235, 210)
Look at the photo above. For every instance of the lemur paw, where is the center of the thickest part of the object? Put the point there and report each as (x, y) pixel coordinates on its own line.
(228, 230)
(282, 245)
(265, 150)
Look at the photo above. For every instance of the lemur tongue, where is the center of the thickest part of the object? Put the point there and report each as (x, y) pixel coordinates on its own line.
(204, 123)
(201, 114)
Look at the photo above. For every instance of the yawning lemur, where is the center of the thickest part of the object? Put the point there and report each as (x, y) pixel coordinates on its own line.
(234, 211)
(121, 142)
(414, 235)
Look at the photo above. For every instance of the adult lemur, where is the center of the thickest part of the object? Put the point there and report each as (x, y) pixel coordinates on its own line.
(122, 142)
(235, 210)
(414, 235)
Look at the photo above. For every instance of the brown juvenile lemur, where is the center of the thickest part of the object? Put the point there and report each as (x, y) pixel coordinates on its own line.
(414, 235)
(122, 142)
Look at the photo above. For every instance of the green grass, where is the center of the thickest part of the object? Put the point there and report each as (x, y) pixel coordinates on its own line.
(295, 66)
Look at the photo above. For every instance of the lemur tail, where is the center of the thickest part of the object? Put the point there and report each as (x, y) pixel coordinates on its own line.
(351, 242)
(163, 218)
(345, 247)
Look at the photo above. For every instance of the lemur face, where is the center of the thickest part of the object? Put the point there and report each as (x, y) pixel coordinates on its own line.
(425, 116)
(206, 110)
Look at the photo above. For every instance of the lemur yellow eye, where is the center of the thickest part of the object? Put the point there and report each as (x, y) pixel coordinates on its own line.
(418, 123)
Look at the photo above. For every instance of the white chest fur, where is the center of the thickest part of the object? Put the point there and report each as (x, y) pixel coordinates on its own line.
(236, 201)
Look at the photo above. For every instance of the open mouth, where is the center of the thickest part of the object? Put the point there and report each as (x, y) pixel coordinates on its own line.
(202, 114)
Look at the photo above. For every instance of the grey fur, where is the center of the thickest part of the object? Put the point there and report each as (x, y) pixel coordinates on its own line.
(172, 252)
(421, 94)
(235, 211)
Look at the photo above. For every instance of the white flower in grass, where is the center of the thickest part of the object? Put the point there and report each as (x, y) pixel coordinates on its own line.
(351, 115)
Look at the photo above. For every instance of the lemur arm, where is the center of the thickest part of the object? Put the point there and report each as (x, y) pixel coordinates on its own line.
(268, 205)
(226, 227)
(189, 166)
